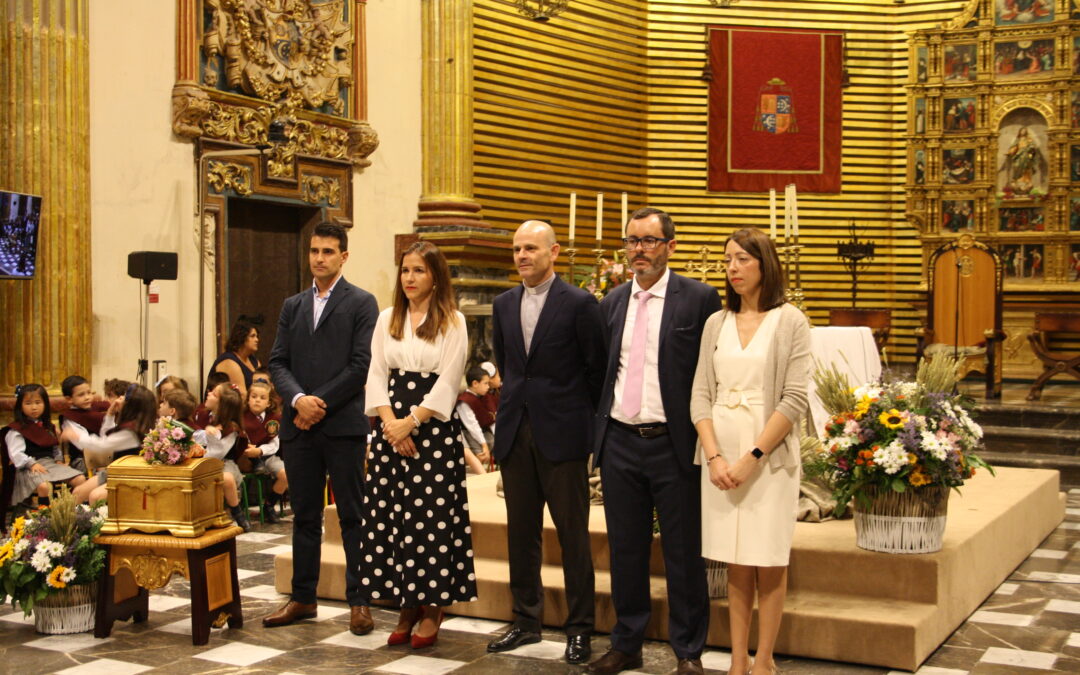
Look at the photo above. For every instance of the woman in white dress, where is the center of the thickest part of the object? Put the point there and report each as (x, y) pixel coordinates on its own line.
(417, 546)
(749, 395)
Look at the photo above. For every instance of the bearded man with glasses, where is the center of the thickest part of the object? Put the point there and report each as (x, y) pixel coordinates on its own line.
(645, 445)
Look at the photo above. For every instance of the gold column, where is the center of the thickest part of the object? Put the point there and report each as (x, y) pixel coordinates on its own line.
(45, 333)
(447, 137)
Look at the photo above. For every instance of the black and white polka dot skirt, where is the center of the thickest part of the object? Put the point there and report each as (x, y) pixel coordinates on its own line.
(417, 542)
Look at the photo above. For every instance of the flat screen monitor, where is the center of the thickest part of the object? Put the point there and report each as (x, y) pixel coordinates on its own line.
(20, 223)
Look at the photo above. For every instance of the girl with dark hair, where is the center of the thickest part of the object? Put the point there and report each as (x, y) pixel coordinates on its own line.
(418, 553)
(262, 420)
(130, 418)
(238, 361)
(224, 439)
(748, 397)
(33, 447)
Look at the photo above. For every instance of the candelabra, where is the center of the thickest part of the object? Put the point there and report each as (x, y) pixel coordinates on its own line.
(571, 253)
(791, 252)
(856, 255)
(702, 266)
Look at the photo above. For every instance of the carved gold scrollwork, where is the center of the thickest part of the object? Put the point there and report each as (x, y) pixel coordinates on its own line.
(223, 176)
(317, 188)
(362, 142)
(964, 17)
(152, 571)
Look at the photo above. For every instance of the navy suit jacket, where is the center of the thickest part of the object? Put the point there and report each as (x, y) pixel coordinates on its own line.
(558, 382)
(687, 304)
(329, 360)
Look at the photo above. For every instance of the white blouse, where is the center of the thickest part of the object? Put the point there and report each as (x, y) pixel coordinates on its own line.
(444, 357)
(211, 439)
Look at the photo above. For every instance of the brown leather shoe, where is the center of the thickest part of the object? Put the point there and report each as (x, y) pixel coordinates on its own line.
(614, 662)
(290, 612)
(360, 621)
(690, 667)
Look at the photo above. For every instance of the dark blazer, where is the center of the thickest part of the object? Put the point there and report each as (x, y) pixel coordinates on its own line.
(558, 383)
(329, 361)
(687, 304)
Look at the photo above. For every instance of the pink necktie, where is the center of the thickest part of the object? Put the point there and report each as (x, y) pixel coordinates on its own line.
(635, 368)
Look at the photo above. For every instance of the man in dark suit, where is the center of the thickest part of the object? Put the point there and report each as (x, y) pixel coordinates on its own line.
(645, 445)
(549, 349)
(319, 365)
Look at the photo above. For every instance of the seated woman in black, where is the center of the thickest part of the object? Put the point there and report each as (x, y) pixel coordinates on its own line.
(238, 361)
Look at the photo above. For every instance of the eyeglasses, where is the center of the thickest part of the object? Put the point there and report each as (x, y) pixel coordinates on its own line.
(647, 243)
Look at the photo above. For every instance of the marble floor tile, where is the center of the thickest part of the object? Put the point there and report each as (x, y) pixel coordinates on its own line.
(1073, 641)
(467, 624)
(105, 667)
(263, 592)
(260, 536)
(420, 665)
(1019, 657)
(1054, 576)
(716, 660)
(1001, 618)
(247, 574)
(239, 654)
(372, 640)
(68, 643)
(1069, 525)
(18, 618)
(1050, 553)
(934, 670)
(1007, 588)
(1072, 511)
(163, 603)
(327, 612)
(1063, 606)
(545, 649)
(275, 550)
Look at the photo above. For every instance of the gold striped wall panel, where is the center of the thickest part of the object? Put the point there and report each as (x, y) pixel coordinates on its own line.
(45, 333)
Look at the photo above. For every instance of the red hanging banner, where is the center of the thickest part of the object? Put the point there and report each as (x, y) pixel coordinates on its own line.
(775, 109)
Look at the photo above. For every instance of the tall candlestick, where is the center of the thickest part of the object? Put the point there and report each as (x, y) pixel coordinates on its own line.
(794, 213)
(599, 216)
(787, 213)
(772, 214)
(624, 212)
(573, 215)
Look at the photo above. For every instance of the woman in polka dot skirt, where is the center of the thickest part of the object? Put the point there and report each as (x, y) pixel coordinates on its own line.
(417, 546)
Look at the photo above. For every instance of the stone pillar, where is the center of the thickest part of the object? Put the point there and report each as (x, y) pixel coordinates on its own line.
(449, 217)
(46, 331)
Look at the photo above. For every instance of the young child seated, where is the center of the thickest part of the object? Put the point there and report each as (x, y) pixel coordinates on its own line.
(82, 411)
(169, 383)
(129, 419)
(115, 388)
(474, 418)
(224, 439)
(261, 423)
(202, 412)
(180, 405)
(33, 447)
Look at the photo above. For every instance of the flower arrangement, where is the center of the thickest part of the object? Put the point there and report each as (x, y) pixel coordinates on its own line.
(170, 442)
(601, 281)
(896, 436)
(49, 549)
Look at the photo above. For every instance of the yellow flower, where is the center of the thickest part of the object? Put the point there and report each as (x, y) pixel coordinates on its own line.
(911, 459)
(54, 579)
(891, 419)
(18, 528)
(862, 407)
(917, 478)
(6, 551)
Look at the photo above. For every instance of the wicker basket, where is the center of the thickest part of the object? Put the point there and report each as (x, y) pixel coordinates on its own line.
(716, 575)
(912, 521)
(70, 610)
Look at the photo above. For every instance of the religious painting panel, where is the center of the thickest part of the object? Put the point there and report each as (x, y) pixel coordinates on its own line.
(1076, 55)
(960, 62)
(957, 215)
(919, 162)
(1023, 262)
(1074, 163)
(1022, 219)
(921, 65)
(1074, 262)
(958, 166)
(1074, 214)
(920, 116)
(1075, 109)
(959, 114)
(1017, 59)
(1022, 12)
(1022, 165)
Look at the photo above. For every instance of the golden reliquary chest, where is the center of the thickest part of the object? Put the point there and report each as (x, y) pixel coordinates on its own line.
(185, 499)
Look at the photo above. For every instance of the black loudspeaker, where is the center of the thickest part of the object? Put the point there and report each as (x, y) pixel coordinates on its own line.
(151, 265)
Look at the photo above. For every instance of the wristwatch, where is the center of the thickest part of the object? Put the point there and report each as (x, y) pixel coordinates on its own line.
(757, 453)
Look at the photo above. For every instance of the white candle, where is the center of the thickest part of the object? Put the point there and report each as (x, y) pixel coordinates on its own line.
(794, 213)
(787, 213)
(573, 215)
(599, 216)
(772, 213)
(624, 214)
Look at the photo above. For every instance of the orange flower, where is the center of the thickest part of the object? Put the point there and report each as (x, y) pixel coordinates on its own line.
(917, 478)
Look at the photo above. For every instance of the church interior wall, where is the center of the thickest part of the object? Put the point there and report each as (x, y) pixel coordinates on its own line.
(142, 177)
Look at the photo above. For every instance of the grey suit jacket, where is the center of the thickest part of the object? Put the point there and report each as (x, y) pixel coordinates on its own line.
(787, 371)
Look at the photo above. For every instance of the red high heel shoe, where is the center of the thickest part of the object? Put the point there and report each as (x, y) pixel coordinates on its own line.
(419, 642)
(401, 637)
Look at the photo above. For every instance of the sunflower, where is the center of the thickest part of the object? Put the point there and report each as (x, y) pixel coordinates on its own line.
(18, 528)
(891, 419)
(54, 579)
(862, 407)
(6, 551)
(917, 478)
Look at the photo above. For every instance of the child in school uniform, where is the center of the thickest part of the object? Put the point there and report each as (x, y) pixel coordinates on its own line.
(130, 418)
(202, 412)
(474, 418)
(224, 439)
(115, 388)
(82, 411)
(169, 383)
(261, 423)
(180, 405)
(33, 447)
